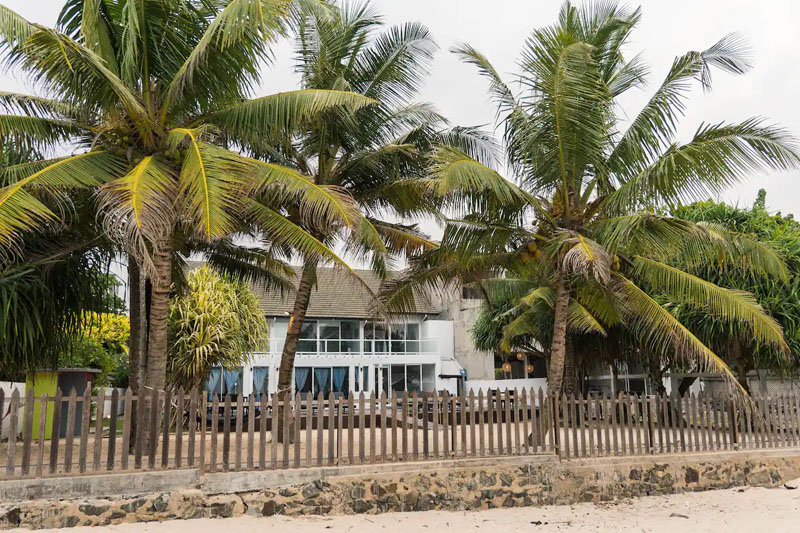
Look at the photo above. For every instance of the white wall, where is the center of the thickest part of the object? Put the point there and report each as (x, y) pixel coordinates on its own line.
(8, 388)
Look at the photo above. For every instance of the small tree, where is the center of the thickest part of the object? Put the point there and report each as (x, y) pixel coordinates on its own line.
(216, 323)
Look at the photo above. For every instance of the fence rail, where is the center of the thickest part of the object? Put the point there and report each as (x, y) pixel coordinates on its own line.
(162, 430)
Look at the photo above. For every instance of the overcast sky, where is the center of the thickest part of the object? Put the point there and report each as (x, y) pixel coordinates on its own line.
(668, 28)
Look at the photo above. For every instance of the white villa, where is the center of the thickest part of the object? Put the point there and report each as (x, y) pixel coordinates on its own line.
(343, 348)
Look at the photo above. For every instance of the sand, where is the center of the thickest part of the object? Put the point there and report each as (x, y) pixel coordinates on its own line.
(731, 510)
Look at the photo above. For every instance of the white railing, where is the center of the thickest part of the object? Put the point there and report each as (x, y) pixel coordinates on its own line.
(356, 347)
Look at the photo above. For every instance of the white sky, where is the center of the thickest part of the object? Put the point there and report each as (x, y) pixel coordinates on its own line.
(668, 28)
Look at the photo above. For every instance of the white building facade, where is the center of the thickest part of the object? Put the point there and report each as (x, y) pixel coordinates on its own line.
(344, 349)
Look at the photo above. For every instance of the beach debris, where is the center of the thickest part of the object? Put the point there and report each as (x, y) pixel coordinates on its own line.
(678, 515)
(792, 485)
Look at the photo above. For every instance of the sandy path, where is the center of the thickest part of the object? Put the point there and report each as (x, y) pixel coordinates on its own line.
(734, 510)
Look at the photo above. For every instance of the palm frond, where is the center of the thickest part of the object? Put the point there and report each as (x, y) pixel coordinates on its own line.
(249, 22)
(718, 156)
(732, 305)
(22, 211)
(137, 208)
(261, 116)
(654, 127)
(661, 333)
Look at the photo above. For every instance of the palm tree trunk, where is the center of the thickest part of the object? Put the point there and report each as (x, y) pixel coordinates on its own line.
(558, 349)
(136, 341)
(301, 300)
(156, 373)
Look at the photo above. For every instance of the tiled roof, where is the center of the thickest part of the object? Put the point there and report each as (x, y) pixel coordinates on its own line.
(335, 295)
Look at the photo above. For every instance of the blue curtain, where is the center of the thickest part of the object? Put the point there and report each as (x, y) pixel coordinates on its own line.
(321, 376)
(260, 374)
(213, 381)
(339, 375)
(300, 377)
(231, 378)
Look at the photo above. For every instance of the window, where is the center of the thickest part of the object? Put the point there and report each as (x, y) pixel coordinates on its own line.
(302, 379)
(400, 378)
(361, 379)
(260, 380)
(308, 337)
(329, 337)
(350, 335)
(376, 338)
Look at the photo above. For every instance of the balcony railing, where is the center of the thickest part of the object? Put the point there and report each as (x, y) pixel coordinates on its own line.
(360, 348)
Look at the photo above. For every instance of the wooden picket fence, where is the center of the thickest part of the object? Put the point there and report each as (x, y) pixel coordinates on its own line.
(164, 430)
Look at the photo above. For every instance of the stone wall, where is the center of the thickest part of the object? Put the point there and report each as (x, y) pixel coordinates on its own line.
(461, 488)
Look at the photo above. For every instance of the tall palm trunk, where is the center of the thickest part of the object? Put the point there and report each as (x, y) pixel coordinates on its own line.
(156, 373)
(558, 350)
(136, 342)
(301, 300)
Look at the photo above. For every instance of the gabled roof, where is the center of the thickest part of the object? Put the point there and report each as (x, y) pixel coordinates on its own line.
(335, 295)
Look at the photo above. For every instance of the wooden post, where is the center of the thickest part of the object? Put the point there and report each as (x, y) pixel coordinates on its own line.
(179, 412)
(445, 425)
(86, 414)
(481, 424)
(384, 421)
(12, 434)
(297, 407)
(239, 429)
(263, 402)
(351, 454)
(309, 402)
(415, 425)
(490, 419)
(98, 427)
(435, 415)
(331, 428)
(192, 426)
(202, 401)
(42, 431)
(362, 430)
(27, 431)
(498, 410)
(320, 427)
(404, 428)
(68, 444)
(508, 423)
(373, 426)
(153, 427)
(526, 433)
(127, 415)
(166, 428)
(251, 431)
(426, 398)
(581, 424)
(214, 432)
(112, 429)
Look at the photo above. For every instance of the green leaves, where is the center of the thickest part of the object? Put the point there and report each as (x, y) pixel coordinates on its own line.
(262, 116)
(732, 305)
(21, 210)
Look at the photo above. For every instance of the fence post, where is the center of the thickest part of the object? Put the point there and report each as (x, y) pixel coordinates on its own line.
(27, 431)
(12, 433)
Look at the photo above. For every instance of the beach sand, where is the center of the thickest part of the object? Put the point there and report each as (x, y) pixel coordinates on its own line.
(731, 510)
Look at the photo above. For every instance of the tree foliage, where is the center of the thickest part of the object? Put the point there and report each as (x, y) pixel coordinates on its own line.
(582, 234)
(216, 322)
(780, 297)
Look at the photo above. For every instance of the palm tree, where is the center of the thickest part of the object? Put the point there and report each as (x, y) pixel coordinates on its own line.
(143, 91)
(582, 235)
(372, 154)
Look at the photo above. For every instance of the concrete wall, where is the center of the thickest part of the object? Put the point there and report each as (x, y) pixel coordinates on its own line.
(463, 313)
(370, 489)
